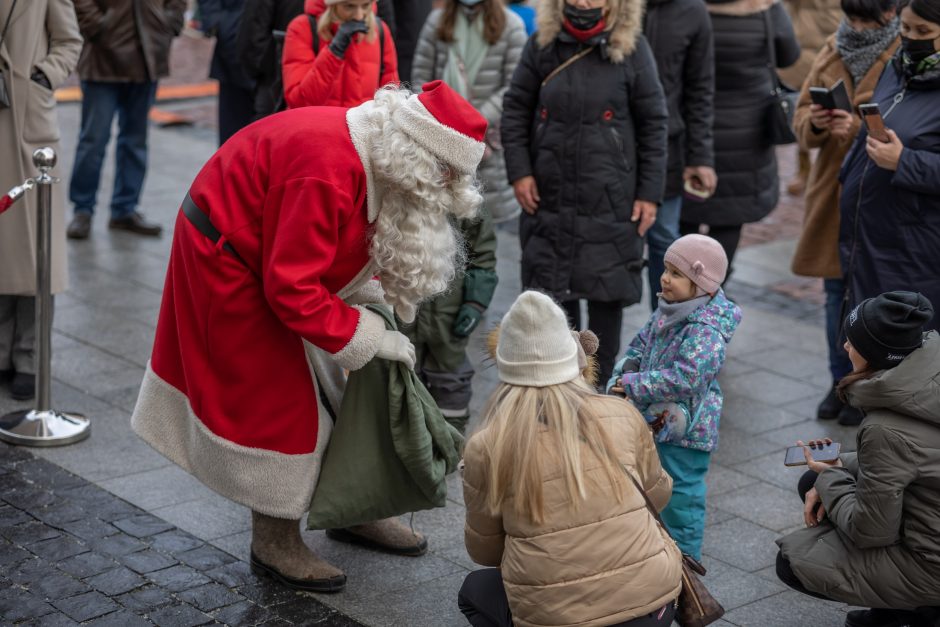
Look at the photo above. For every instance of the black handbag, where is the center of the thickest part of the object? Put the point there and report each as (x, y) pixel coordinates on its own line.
(4, 92)
(783, 98)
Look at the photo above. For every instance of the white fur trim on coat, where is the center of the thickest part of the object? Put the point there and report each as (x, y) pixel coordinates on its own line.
(364, 343)
(624, 23)
(357, 120)
(369, 294)
(272, 483)
(454, 148)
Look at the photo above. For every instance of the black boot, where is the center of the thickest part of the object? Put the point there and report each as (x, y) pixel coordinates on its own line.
(882, 618)
(850, 416)
(830, 406)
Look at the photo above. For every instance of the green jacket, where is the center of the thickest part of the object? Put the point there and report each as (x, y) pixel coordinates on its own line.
(432, 328)
(881, 544)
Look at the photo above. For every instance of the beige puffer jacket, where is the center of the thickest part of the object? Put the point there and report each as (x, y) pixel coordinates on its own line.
(603, 564)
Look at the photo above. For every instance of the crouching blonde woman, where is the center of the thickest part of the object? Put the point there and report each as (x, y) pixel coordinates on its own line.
(549, 502)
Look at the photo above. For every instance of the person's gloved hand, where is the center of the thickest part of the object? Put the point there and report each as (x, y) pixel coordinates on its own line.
(344, 35)
(468, 317)
(396, 347)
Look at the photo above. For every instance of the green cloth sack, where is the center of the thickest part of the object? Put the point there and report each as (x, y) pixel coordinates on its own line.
(390, 450)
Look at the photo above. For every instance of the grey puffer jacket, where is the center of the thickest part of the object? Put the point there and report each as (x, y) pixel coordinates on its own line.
(880, 546)
(488, 90)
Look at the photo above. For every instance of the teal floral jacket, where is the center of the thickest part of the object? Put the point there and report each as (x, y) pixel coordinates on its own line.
(681, 364)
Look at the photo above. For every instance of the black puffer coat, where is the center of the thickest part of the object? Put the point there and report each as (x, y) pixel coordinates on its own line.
(748, 185)
(680, 34)
(594, 137)
(257, 50)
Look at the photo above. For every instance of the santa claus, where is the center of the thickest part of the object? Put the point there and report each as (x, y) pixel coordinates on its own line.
(275, 251)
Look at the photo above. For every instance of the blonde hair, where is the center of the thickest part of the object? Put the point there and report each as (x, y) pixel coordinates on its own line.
(329, 17)
(515, 416)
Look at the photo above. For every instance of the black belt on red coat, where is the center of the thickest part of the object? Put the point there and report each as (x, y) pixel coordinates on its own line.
(202, 223)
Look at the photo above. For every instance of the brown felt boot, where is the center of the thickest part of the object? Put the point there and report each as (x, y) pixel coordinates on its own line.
(278, 551)
(797, 185)
(388, 536)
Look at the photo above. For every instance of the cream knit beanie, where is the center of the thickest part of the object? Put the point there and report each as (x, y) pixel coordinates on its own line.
(535, 346)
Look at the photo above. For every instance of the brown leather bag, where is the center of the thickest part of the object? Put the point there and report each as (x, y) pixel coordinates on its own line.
(696, 606)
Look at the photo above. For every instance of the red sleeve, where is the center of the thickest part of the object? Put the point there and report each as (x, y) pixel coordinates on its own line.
(309, 78)
(391, 60)
(301, 225)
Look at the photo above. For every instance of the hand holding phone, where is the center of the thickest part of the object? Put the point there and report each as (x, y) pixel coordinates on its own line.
(871, 114)
(812, 453)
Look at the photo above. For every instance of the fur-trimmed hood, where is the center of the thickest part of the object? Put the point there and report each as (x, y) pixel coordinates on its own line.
(739, 7)
(624, 25)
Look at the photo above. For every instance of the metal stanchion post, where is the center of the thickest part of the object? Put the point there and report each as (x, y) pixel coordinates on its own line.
(44, 426)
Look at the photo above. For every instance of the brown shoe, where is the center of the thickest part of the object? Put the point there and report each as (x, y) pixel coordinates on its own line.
(80, 226)
(388, 536)
(136, 223)
(278, 552)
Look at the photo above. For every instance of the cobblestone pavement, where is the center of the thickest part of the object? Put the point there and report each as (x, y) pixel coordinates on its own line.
(72, 553)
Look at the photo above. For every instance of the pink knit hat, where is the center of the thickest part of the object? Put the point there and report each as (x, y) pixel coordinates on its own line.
(700, 258)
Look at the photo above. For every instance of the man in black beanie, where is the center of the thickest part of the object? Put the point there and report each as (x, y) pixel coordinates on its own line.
(886, 329)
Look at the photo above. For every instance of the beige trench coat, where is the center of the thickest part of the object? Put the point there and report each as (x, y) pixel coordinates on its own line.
(43, 34)
(813, 22)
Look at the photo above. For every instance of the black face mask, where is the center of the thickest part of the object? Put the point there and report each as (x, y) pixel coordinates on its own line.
(918, 49)
(583, 19)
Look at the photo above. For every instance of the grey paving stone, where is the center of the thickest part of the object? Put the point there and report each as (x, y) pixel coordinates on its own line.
(764, 504)
(89, 529)
(233, 575)
(735, 446)
(56, 619)
(179, 615)
(442, 526)
(788, 609)
(721, 479)
(770, 469)
(142, 525)
(755, 417)
(431, 604)
(153, 489)
(87, 565)
(733, 587)
(177, 578)
(300, 611)
(121, 618)
(207, 518)
(205, 558)
(795, 364)
(29, 533)
(11, 555)
(210, 597)
(10, 516)
(117, 545)
(58, 548)
(741, 544)
(714, 516)
(86, 606)
(54, 585)
(237, 545)
(61, 512)
(145, 599)
(28, 498)
(17, 605)
(243, 613)
(116, 581)
(772, 388)
(174, 542)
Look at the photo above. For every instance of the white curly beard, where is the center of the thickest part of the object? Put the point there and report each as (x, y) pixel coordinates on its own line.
(415, 244)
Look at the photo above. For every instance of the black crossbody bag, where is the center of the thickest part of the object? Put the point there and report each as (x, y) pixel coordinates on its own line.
(779, 124)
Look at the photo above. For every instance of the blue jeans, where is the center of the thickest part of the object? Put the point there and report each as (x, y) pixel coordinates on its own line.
(660, 236)
(839, 364)
(100, 102)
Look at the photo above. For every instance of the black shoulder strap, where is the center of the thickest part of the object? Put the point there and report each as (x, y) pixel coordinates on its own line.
(315, 33)
(381, 29)
(6, 24)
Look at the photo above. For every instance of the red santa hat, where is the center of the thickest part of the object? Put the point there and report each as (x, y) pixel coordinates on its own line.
(445, 124)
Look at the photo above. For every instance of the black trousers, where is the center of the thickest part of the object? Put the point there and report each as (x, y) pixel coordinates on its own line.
(482, 599)
(606, 320)
(728, 236)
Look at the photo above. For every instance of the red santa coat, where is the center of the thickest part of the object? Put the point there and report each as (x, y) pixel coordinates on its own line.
(228, 394)
(321, 78)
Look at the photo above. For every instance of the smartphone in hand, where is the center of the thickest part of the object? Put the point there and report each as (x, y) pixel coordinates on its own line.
(871, 114)
(821, 453)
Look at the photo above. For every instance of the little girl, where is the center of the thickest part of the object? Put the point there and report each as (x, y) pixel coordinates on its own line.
(670, 372)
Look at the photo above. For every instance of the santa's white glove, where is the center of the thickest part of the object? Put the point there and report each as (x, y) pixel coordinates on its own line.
(396, 347)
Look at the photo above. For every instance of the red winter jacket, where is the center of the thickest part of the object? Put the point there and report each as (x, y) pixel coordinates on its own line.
(321, 78)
